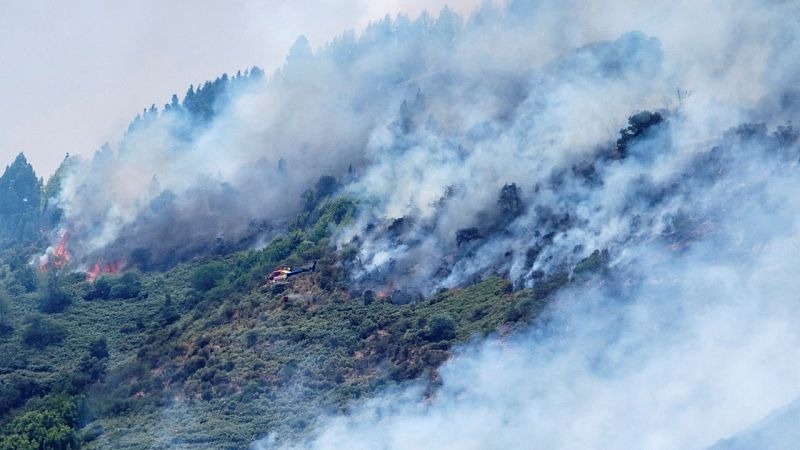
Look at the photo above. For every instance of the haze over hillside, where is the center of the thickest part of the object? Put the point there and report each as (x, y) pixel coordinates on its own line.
(540, 224)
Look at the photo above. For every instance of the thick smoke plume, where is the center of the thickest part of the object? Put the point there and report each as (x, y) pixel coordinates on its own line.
(689, 336)
(426, 122)
(492, 144)
(687, 339)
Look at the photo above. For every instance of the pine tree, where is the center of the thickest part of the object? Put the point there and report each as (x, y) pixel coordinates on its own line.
(20, 202)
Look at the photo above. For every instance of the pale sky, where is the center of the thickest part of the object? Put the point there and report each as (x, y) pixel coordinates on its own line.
(74, 73)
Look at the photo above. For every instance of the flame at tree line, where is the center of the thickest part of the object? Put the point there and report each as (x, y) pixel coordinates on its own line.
(99, 269)
(58, 257)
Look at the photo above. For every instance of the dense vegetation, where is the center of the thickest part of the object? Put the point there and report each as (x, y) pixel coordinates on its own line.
(224, 357)
(206, 353)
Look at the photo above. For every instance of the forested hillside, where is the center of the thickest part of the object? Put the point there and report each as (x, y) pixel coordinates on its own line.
(526, 227)
(209, 354)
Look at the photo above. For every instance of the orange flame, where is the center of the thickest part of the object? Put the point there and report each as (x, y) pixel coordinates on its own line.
(61, 254)
(59, 257)
(99, 269)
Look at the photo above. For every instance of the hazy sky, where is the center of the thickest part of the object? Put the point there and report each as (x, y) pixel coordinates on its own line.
(75, 73)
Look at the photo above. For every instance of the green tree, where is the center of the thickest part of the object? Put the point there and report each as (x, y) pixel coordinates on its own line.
(140, 257)
(326, 185)
(50, 426)
(127, 286)
(41, 332)
(168, 312)
(98, 348)
(52, 296)
(207, 276)
(441, 327)
(20, 202)
(5, 313)
(101, 289)
(510, 203)
(25, 276)
(51, 212)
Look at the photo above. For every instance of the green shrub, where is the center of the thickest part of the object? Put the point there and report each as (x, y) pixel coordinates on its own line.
(25, 276)
(251, 338)
(16, 390)
(596, 262)
(168, 312)
(101, 289)
(41, 332)
(5, 313)
(441, 327)
(50, 426)
(207, 276)
(52, 297)
(127, 286)
(98, 348)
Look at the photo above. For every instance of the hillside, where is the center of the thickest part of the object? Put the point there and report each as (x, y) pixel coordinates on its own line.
(534, 226)
(271, 358)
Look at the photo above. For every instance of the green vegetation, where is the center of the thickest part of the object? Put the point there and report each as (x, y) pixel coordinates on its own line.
(20, 203)
(52, 297)
(41, 332)
(210, 357)
(207, 276)
(47, 424)
(107, 287)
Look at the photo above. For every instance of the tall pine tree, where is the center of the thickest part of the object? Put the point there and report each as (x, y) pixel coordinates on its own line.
(20, 200)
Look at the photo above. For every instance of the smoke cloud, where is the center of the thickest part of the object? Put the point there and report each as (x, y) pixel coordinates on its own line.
(679, 347)
(690, 337)
(436, 115)
(491, 143)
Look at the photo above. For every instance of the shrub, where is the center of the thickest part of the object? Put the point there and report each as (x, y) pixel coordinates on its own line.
(54, 301)
(51, 426)
(41, 332)
(16, 390)
(251, 338)
(207, 276)
(25, 276)
(5, 315)
(326, 185)
(52, 298)
(98, 348)
(127, 286)
(101, 289)
(596, 262)
(440, 328)
(348, 253)
(168, 312)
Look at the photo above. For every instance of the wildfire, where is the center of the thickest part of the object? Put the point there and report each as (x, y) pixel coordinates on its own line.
(99, 268)
(385, 291)
(58, 257)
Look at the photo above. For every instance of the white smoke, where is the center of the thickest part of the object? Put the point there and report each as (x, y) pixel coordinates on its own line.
(417, 107)
(683, 347)
(695, 335)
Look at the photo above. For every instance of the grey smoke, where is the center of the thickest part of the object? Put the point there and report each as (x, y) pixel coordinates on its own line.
(680, 347)
(692, 338)
(491, 95)
(693, 335)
